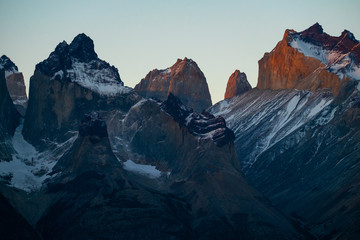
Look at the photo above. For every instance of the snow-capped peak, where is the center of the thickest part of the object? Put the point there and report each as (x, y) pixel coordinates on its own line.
(8, 66)
(336, 53)
(79, 63)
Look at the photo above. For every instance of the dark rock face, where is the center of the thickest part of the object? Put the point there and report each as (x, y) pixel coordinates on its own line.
(70, 83)
(237, 84)
(7, 64)
(93, 124)
(13, 225)
(345, 43)
(184, 79)
(15, 84)
(204, 124)
(9, 119)
(81, 49)
(310, 60)
(301, 149)
(91, 184)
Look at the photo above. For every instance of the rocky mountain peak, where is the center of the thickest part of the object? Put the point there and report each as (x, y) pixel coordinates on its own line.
(79, 63)
(237, 84)
(311, 60)
(7, 64)
(183, 79)
(186, 65)
(82, 48)
(15, 84)
(315, 29)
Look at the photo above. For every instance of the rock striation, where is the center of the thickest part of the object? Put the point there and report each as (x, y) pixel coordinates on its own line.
(15, 84)
(237, 84)
(311, 60)
(184, 79)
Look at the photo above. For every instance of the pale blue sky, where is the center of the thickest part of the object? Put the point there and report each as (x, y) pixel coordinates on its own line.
(138, 36)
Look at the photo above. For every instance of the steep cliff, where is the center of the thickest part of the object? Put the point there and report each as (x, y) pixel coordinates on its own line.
(15, 84)
(9, 119)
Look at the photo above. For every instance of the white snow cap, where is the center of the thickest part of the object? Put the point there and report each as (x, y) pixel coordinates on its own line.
(142, 169)
(101, 81)
(334, 60)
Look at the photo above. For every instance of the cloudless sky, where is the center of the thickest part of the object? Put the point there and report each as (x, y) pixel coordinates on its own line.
(138, 36)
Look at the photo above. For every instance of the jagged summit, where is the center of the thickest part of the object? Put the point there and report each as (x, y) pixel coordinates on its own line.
(8, 65)
(311, 60)
(79, 63)
(15, 84)
(237, 84)
(315, 35)
(82, 48)
(184, 79)
(315, 29)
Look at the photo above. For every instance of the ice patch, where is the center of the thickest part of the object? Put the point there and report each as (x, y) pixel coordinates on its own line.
(320, 106)
(94, 76)
(335, 61)
(292, 104)
(146, 170)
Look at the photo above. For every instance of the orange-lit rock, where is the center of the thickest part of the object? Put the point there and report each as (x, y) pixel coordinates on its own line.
(184, 79)
(237, 84)
(287, 67)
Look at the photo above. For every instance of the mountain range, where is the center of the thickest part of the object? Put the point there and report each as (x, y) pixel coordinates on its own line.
(85, 157)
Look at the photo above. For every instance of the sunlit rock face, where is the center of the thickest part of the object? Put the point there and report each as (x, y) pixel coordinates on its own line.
(184, 79)
(237, 84)
(310, 60)
(15, 84)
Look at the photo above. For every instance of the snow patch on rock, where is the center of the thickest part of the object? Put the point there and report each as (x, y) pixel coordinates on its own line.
(335, 61)
(98, 80)
(29, 168)
(143, 169)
